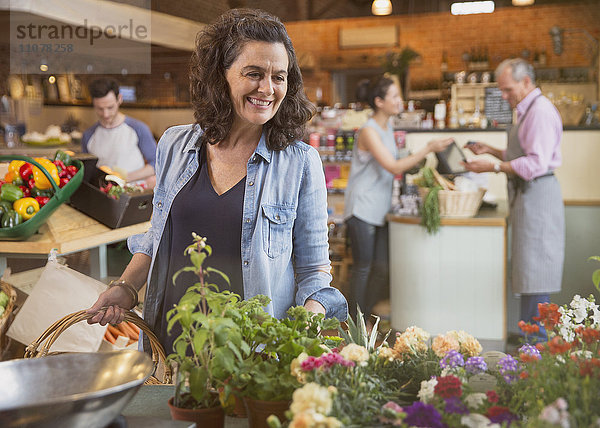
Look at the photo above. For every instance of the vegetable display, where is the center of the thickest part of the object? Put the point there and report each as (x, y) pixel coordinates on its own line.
(26, 189)
(4, 299)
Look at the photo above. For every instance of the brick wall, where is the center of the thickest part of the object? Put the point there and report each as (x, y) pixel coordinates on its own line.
(505, 33)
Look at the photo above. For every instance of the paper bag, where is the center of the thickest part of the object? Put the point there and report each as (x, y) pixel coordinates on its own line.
(60, 291)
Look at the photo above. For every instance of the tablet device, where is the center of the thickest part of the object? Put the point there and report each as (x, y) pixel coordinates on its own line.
(449, 160)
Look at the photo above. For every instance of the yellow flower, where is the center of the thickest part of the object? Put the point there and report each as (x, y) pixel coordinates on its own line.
(444, 343)
(311, 419)
(311, 397)
(412, 341)
(386, 353)
(354, 352)
(471, 347)
(296, 369)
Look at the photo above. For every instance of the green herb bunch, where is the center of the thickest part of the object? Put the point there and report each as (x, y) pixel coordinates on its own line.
(430, 210)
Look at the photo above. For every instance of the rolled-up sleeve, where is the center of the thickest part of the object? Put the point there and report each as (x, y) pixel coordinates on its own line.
(311, 248)
(539, 135)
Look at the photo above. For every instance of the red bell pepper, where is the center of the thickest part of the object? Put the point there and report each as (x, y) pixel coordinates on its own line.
(60, 166)
(26, 171)
(42, 200)
(26, 191)
(63, 181)
(72, 170)
(31, 183)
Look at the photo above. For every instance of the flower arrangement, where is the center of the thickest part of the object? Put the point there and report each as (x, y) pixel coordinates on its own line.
(558, 382)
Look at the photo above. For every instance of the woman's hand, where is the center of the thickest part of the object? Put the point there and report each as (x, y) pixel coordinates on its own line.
(478, 148)
(314, 307)
(439, 145)
(110, 306)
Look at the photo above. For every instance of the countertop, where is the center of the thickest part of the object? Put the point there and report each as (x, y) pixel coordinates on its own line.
(485, 217)
(151, 402)
(498, 129)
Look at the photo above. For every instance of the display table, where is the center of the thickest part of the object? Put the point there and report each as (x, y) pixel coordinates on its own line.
(452, 280)
(70, 231)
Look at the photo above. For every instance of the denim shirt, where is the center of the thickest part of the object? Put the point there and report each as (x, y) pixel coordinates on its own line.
(284, 248)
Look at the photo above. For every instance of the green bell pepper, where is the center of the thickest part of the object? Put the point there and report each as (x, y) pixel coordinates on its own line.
(11, 219)
(63, 157)
(39, 192)
(5, 206)
(10, 192)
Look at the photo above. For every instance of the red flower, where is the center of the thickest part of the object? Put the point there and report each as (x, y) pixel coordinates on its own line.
(528, 328)
(558, 346)
(497, 411)
(588, 334)
(524, 374)
(549, 315)
(492, 396)
(448, 387)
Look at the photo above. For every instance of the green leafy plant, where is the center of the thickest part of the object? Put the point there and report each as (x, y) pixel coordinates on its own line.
(266, 373)
(211, 344)
(357, 332)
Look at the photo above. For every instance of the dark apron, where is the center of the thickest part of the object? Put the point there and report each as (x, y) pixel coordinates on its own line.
(537, 221)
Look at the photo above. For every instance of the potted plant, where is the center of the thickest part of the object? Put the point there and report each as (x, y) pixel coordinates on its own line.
(210, 345)
(265, 376)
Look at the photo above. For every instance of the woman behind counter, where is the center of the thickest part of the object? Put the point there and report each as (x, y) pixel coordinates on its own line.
(369, 192)
(239, 175)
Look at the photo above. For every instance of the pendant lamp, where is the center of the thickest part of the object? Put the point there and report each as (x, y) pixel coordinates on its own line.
(381, 7)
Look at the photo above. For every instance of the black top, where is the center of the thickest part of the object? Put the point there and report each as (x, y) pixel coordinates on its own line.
(198, 208)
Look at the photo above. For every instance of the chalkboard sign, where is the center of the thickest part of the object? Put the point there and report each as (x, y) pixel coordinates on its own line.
(496, 108)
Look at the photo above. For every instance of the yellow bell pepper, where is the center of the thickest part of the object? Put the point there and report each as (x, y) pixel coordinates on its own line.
(27, 207)
(41, 181)
(15, 165)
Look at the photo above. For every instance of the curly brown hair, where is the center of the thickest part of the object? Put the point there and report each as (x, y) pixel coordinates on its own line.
(217, 47)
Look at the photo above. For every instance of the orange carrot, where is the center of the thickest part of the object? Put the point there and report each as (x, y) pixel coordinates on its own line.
(114, 331)
(108, 336)
(124, 330)
(135, 331)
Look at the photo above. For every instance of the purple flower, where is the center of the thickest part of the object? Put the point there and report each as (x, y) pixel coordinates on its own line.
(454, 405)
(475, 365)
(423, 415)
(508, 368)
(452, 359)
(530, 351)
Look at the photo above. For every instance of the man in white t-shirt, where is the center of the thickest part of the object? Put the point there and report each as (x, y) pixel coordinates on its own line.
(119, 141)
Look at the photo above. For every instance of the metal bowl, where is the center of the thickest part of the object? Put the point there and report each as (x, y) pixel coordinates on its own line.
(70, 390)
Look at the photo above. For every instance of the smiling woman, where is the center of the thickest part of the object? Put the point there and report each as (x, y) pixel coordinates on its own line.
(241, 177)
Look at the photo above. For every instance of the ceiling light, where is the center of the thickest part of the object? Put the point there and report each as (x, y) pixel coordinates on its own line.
(381, 7)
(523, 2)
(471, 7)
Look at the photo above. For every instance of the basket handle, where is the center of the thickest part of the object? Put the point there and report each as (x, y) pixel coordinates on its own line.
(36, 163)
(51, 334)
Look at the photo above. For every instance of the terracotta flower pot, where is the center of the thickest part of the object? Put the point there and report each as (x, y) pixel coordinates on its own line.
(213, 417)
(258, 411)
(239, 408)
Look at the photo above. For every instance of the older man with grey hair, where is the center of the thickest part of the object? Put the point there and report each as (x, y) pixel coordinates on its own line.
(536, 206)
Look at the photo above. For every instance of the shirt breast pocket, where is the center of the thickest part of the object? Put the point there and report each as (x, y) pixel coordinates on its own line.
(278, 222)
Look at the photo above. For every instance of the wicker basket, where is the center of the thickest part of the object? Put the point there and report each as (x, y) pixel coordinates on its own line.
(456, 204)
(6, 317)
(48, 337)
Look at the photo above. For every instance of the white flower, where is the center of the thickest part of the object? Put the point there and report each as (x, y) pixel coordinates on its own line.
(475, 400)
(596, 316)
(427, 390)
(311, 397)
(475, 420)
(354, 352)
(581, 353)
(550, 414)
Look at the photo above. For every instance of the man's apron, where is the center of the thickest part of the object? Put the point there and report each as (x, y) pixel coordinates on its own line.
(537, 220)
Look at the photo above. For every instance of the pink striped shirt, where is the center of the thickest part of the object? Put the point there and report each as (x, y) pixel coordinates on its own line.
(540, 135)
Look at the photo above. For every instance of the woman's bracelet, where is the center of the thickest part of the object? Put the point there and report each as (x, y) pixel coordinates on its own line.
(125, 285)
